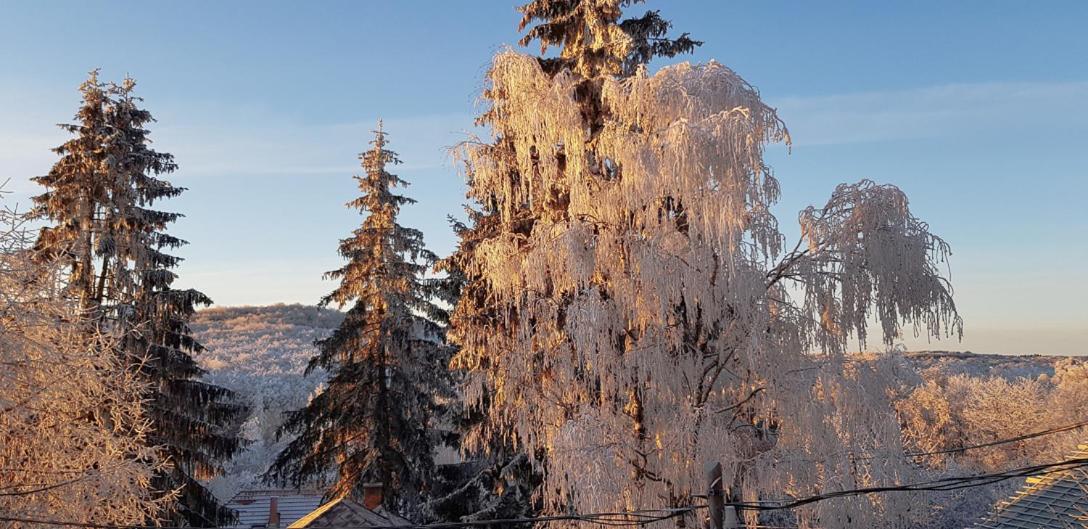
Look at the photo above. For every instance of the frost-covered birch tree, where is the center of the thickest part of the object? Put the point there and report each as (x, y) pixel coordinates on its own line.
(376, 421)
(102, 197)
(631, 313)
(74, 443)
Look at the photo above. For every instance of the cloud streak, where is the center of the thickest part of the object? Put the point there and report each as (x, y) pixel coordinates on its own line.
(946, 111)
(243, 143)
(224, 142)
(279, 147)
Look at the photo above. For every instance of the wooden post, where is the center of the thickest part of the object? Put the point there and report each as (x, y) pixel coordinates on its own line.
(714, 496)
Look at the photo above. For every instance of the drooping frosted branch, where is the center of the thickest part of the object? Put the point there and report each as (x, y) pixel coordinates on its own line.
(868, 257)
(621, 321)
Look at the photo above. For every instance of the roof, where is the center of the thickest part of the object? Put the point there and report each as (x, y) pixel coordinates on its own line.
(344, 512)
(252, 506)
(1055, 500)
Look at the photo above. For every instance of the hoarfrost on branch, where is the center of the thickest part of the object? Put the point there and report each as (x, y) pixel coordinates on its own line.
(73, 423)
(634, 314)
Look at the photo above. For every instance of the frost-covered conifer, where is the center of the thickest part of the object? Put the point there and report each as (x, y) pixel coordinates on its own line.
(75, 189)
(613, 46)
(194, 421)
(376, 419)
(630, 314)
(100, 197)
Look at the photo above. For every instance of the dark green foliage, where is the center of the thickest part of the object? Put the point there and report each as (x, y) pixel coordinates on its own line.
(100, 197)
(376, 420)
(648, 35)
(568, 25)
(486, 488)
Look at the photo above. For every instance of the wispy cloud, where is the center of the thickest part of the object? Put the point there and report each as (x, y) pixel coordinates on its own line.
(209, 140)
(936, 112)
(280, 147)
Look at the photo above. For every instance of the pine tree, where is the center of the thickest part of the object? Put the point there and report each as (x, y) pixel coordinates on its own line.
(611, 46)
(76, 194)
(630, 314)
(193, 420)
(375, 421)
(100, 196)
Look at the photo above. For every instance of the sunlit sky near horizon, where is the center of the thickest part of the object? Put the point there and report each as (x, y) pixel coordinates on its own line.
(978, 110)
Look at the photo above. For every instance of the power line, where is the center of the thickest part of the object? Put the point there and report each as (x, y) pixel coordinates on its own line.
(644, 517)
(1024, 437)
(937, 485)
(640, 518)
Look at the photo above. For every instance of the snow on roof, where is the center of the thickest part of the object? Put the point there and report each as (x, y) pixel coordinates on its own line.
(253, 506)
(347, 513)
(1055, 500)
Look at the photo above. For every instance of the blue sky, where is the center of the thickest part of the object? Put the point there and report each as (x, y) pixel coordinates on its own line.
(979, 110)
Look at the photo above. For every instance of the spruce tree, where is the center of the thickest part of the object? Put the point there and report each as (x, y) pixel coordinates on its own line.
(194, 421)
(501, 467)
(75, 197)
(594, 40)
(375, 421)
(100, 196)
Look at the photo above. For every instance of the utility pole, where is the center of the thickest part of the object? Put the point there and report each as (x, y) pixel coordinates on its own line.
(714, 496)
(721, 517)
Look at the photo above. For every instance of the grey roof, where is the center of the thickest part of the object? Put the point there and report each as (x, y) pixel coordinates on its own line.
(252, 506)
(1053, 501)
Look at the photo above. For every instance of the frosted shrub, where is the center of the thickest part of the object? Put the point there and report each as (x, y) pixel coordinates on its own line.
(949, 412)
(73, 427)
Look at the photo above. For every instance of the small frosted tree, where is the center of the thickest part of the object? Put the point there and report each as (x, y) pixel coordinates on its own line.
(74, 430)
(376, 419)
(630, 314)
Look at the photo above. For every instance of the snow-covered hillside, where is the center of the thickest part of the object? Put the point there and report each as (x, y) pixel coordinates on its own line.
(261, 353)
(982, 365)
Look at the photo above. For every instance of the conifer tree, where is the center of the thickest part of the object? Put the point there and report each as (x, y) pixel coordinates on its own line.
(76, 193)
(611, 46)
(193, 420)
(630, 314)
(503, 486)
(100, 196)
(375, 421)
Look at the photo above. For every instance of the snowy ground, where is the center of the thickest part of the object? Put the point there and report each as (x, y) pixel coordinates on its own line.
(261, 353)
